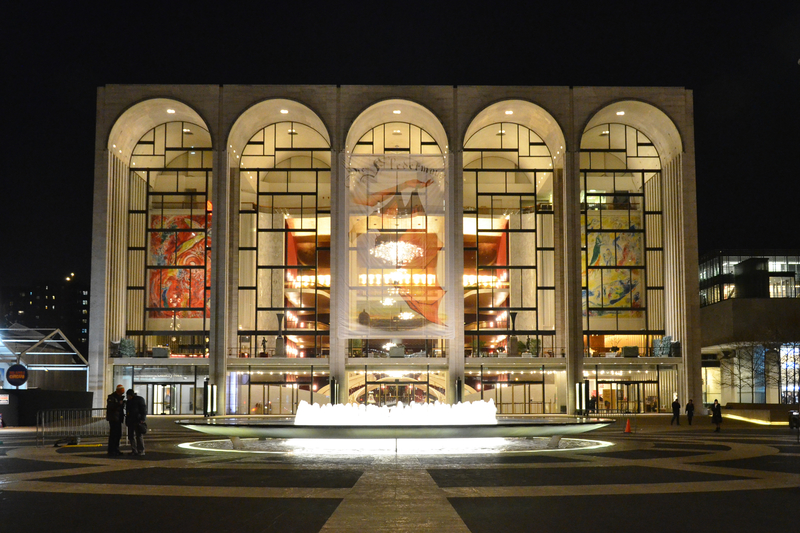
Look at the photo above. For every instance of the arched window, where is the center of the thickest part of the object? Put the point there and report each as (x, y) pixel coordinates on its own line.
(509, 287)
(621, 238)
(396, 254)
(169, 241)
(284, 243)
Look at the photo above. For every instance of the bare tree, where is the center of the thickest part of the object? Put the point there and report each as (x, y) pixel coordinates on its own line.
(741, 368)
(753, 368)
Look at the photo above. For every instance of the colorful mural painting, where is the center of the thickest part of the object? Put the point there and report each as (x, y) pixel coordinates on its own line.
(179, 241)
(609, 288)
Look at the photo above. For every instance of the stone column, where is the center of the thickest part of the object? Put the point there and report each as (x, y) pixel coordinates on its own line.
(568, 212)
(454, 236)
(223, 178)
(339, 225)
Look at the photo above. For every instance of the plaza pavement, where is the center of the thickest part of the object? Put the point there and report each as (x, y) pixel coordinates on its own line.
(657, 478)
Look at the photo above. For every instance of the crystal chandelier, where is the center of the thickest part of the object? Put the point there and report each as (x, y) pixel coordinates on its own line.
(396, 252)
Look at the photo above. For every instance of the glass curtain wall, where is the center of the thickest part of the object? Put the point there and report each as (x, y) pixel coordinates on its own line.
(509, 286)
(168, 390)
(260, 390)
(169, 242)
(531, 391)
(284, 243)
(397, 244)
(382, 387)
(622, 253)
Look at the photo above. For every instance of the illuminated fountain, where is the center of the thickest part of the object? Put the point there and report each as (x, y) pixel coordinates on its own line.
(417, 421)
(415, 414)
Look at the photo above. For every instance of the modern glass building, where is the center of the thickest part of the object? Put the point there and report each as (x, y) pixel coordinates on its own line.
(750, 315)
(378, 244)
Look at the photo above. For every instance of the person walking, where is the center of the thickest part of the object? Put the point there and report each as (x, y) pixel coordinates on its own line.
(716, 415)
(676, 412)
(690, 411)
(115, 414)
(136, 413)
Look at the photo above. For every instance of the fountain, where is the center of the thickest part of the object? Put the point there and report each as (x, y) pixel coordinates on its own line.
(352, 421)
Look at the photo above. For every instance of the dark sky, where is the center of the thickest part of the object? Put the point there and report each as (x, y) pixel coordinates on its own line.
(741, 63)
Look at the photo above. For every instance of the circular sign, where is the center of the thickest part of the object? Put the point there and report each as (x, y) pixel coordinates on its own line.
(17, 375)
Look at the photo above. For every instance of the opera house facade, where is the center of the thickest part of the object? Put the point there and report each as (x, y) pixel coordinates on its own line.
(382, 244)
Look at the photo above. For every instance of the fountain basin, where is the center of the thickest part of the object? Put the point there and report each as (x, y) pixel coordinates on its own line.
(285, 428)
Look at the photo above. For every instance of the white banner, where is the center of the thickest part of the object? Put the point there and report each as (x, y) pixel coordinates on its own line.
(396, 266)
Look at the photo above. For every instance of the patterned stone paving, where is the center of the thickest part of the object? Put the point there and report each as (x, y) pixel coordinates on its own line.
(659, 479)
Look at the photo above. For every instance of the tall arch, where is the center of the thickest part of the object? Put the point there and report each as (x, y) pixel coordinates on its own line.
(150, 173)
(396, 230)
(284, 230)
(633, 248)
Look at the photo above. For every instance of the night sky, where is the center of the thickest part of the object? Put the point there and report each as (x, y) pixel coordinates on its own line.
(741, 63)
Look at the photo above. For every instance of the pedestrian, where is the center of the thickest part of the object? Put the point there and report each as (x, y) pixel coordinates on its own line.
(689, 411)
(136, 414)
(115, 414)
(676, 412)
(716, 415)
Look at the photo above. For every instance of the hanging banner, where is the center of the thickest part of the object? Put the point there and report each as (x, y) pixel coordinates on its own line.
(396, 265)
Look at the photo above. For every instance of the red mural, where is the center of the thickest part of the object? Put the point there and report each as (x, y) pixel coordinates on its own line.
(182, 244)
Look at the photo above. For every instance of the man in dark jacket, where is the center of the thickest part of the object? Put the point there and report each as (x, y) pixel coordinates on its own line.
(676, 412)
(115, 414)
(136, 413)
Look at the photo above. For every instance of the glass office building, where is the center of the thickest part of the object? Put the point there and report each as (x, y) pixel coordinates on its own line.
(384, 244)
(750, 314)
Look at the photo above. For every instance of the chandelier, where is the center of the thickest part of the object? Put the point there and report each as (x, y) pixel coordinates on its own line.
(396, 252)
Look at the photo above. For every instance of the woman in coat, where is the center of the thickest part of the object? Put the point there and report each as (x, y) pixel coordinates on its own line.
(716, 414)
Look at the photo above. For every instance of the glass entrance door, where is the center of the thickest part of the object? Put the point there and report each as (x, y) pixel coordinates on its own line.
(627, 396)
(171, 398)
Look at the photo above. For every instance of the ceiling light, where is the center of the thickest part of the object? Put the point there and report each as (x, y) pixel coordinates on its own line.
(509, 112)
(620, 113)
(400, 252)
(187, 130)
(396, 132)
(284, 111)
(171, 111)
(396, 111)
(292, 132)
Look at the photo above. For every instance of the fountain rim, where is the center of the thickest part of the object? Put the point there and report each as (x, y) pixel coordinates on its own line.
(284, 427)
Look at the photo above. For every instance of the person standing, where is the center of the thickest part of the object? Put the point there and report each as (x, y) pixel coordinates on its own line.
(136, 413)
(115, 414)
(676, 412)
(690, 411)
(716, 415)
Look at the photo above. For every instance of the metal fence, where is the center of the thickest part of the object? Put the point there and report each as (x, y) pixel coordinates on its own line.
(71, 423)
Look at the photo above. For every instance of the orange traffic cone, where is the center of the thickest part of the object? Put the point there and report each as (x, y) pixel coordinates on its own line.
(628, 426)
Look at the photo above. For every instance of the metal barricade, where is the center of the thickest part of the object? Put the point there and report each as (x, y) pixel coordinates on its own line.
(71, 423)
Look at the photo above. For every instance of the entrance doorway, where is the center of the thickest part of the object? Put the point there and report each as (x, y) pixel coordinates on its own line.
(171, 398)
(627, 396)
